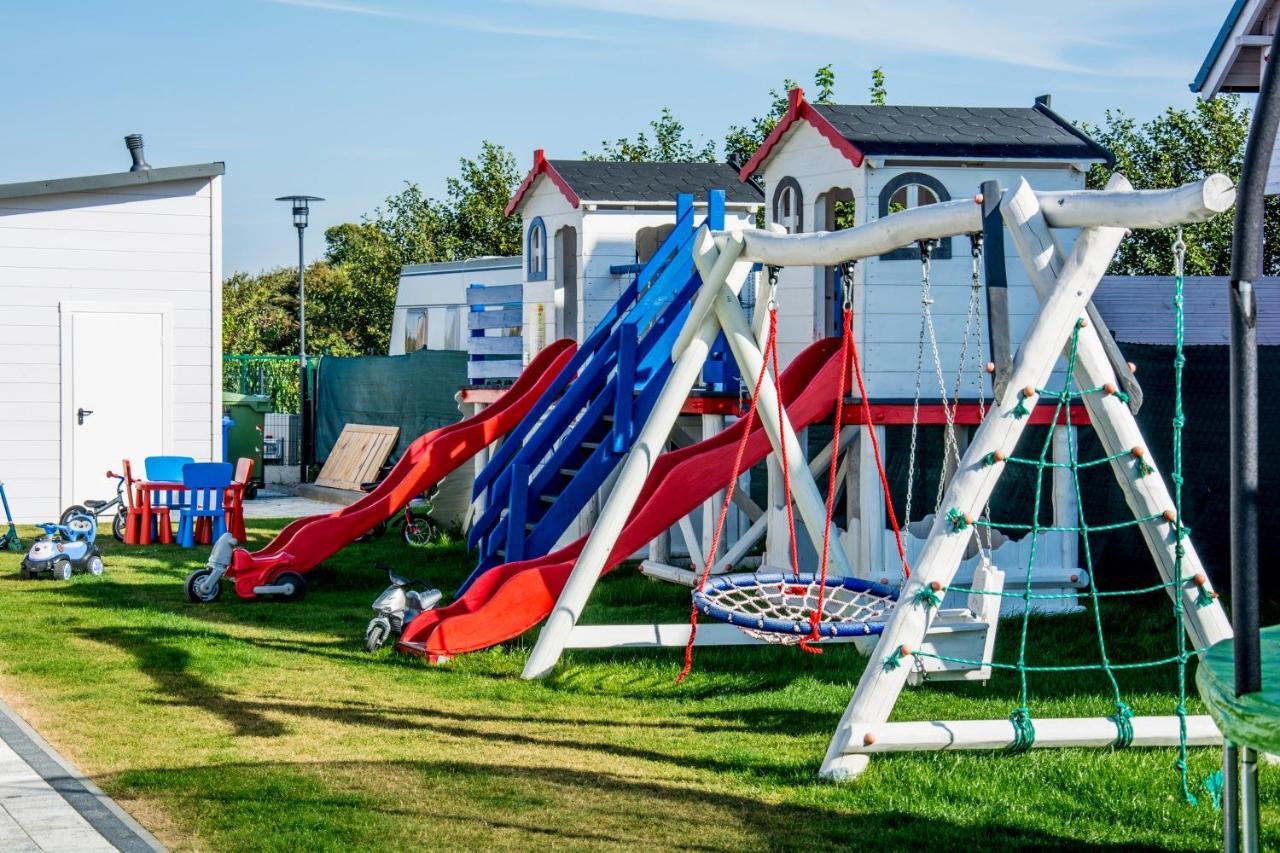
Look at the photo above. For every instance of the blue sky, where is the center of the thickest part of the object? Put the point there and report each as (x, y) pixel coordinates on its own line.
(347, 99)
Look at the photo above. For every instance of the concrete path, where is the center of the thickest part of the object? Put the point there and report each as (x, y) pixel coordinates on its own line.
(48, 805)
(270, 504)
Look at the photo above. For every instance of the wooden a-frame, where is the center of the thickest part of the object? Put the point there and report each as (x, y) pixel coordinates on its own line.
(1065, 286)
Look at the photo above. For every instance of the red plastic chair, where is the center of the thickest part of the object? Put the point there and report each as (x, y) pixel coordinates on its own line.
(133, 517)
(234, 504)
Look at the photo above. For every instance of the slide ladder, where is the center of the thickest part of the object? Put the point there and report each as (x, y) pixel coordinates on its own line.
(551, 466)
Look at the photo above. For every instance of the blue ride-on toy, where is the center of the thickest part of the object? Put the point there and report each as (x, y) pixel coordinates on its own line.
(64, 549)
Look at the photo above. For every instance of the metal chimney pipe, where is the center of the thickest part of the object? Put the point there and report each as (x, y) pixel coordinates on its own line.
(134, 142)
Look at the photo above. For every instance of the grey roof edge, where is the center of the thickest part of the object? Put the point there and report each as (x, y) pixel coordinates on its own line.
(1105, 155)
(504, 262)
(114, 180)
(1219, 41)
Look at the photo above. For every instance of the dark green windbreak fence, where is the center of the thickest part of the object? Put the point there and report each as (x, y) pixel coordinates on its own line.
(414, 392)
(1121, 556)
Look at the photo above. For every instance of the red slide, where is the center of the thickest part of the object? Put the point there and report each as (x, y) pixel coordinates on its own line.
(508, 600)
(305, 542)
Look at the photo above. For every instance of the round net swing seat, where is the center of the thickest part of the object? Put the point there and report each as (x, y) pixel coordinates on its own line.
(777, 607)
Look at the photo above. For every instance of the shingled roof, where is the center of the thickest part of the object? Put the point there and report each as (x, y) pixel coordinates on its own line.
(605, 181)
(869, 130)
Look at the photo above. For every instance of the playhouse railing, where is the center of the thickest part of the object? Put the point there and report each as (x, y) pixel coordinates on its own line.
(495, 345)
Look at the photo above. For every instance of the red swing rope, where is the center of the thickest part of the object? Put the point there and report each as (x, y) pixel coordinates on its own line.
(709, 561)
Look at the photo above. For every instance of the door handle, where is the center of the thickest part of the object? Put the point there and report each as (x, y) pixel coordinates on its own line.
(81, 414)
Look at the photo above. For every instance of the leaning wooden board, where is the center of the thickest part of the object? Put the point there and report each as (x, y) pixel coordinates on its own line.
(360, 452)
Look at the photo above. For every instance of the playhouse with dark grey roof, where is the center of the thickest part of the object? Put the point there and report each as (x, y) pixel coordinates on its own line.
(589, 224)
(828, 166)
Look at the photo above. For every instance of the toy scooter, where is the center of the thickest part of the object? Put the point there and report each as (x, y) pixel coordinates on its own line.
(396, 607)
(65, 549)
(9, 539)
(204, 586)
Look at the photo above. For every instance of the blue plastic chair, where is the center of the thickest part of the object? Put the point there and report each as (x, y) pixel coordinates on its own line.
(207, 485)
(168, 469)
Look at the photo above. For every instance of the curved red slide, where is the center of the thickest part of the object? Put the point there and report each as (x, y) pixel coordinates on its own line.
(305, 542)
(508, 600)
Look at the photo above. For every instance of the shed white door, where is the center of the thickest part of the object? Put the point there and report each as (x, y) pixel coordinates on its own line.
(115, 403)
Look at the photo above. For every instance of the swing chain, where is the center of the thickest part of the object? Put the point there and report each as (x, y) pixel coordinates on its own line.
(1179, 253)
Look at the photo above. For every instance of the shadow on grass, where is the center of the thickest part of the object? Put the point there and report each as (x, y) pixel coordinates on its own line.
(460, 802)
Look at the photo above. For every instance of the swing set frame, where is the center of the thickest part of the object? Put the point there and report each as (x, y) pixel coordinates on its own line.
(1065, 284)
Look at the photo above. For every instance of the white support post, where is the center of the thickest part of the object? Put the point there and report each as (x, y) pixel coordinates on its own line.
(777, 549)
(1066, 509)
(719, 267)
(871, 510)
(880, 685)
(1117, 429)
(712, 425)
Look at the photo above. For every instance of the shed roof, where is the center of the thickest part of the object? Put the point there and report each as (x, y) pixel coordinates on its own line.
(89, 183)
(1139, 309)
(863, 130)
(1244, 35)
(609, 181)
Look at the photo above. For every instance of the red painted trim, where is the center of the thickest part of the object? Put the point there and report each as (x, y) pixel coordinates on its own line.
(967, 414)
(711, 406)
(542, 166)
(798, 108)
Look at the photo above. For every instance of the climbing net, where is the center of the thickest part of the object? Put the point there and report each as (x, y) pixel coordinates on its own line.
(1134, 459)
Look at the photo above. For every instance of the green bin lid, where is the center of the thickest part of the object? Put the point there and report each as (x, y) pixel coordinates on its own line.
(256, 402)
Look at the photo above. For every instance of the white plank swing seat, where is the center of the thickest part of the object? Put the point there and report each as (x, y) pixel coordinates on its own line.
(1065, 285)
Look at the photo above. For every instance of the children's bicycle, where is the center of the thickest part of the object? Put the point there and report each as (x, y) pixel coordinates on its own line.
(9, 539)
(95, 509)
(418, 528)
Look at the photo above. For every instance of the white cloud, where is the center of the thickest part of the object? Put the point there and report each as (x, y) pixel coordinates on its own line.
(1015, 32)
(442, 19)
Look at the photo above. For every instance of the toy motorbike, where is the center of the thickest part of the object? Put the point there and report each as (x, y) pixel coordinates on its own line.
(396, 607)
(65, 549)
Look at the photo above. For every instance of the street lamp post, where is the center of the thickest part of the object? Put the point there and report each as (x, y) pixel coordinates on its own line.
(301, 208)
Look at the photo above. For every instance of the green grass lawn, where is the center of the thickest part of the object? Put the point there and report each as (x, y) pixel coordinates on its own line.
(265, 726)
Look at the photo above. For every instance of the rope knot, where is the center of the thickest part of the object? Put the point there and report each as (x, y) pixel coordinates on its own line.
(929, 596)
(1123, 718)
(959, 521)
(1024, 731)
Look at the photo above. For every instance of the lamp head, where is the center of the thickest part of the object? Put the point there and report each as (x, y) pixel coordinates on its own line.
(301, 208)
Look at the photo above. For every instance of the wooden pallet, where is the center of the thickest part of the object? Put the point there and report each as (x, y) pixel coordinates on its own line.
(359, 454)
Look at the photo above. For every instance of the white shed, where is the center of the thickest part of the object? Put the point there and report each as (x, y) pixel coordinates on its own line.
(1237, 57)
(587, 223)
(431, 301)
(111, 345)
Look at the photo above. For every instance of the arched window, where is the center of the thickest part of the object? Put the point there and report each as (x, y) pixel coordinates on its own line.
(788, 206)
(908, 190)
(536, 250)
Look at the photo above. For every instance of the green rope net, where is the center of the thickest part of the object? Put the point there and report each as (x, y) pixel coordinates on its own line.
(1131, 463)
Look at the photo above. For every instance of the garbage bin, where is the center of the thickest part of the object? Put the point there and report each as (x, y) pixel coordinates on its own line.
(227, 424)
(244, 435)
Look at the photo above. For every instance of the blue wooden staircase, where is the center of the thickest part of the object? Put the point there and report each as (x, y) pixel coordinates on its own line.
(561, 454)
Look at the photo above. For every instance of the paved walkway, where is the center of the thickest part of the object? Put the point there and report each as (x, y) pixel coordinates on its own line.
(48, 805)
(270, 504)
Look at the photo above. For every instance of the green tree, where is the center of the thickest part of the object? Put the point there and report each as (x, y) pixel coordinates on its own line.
(476, 210)
(879, 94)
(1179, 146)
(667, 145)
(260, 313)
